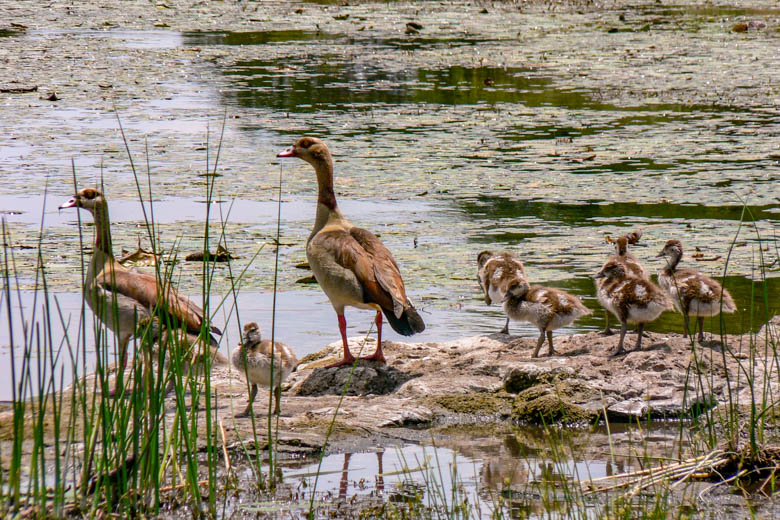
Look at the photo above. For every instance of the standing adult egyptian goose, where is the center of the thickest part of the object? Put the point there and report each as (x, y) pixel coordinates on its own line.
(496, 272)
(128, 301)
(629, 263)
(253, 359)
(351, 264)
(630, 299)
(692, 293)
(545, 307)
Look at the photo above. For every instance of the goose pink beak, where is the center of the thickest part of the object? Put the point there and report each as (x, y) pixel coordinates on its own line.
(290, 152)
(70, 203)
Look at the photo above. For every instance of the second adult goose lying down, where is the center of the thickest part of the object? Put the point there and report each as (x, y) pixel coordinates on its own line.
(546, 308)
(126, 300)
(351, 264)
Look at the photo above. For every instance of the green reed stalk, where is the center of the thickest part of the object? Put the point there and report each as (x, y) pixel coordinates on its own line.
(273, 439)
(14, 483)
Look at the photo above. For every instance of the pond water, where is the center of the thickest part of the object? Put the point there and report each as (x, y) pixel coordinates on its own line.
(447, 142)
(526, 472)
(492, 127)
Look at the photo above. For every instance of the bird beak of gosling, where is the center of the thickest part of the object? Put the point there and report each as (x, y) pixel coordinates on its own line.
(598, 275)
(70, 203)
(289, 152)
(659, 255)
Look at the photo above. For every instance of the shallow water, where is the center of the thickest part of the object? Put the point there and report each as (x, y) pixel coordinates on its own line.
(530, 471)
(537, 132)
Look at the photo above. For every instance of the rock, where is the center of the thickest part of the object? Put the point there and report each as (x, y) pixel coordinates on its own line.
(548, 404)
(407, 416)
(630, 408)
(770, 330)
(481, 404)
(526, 375)
(464, 382)
(369, 377)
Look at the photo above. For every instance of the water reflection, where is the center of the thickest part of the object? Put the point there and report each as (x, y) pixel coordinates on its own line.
(530, 467)
(255, 37)
(324, 83)
(597, 212)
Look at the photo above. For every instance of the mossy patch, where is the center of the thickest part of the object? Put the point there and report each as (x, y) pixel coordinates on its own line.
(549, 404)
(314, 356)
(321, 426)
(527, 375)
(474, 403)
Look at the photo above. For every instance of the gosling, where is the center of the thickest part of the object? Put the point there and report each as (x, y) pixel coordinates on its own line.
(253, 359)
(545, 307)
(496, 272)
(629, 261)
(630, 299)
(692, 293)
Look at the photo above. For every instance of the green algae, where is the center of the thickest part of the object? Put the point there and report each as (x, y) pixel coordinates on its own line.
(475, 403)
(552, 404)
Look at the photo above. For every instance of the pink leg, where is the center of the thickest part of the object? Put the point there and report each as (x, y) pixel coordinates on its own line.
(377, 356)
(348, 357)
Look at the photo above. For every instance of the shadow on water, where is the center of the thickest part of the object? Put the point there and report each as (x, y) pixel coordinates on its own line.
(324, 83)
(597, 212)
(329, 85)
(255, 37)
(327, 82)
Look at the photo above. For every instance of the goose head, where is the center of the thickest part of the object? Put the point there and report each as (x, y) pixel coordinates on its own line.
(621, 245)
(611, 271)
(310, 149)
(88, 199)
(483, 257)
(672, 249)
(252, 335)
(518, 289)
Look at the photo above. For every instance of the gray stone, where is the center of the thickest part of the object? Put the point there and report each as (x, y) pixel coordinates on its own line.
(369, 377)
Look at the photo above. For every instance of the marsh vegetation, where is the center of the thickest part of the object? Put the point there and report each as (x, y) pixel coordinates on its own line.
(529, 126)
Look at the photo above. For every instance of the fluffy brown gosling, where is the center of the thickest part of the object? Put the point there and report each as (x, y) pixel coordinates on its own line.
(496, 272)
(545, 307)
(629, 262)
(253, 359)
(630, 299)
(692, 293)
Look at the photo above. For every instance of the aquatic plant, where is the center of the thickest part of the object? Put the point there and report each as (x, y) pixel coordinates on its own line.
(75, 450)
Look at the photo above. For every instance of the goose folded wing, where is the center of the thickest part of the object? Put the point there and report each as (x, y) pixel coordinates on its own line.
(385, 268)
(144, 289)
(353, 251)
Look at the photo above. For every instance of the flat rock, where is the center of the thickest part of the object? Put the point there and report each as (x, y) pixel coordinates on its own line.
(486, 379)
(367, 377)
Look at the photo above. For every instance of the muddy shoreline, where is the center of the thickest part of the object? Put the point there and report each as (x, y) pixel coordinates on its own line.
(486, 380)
